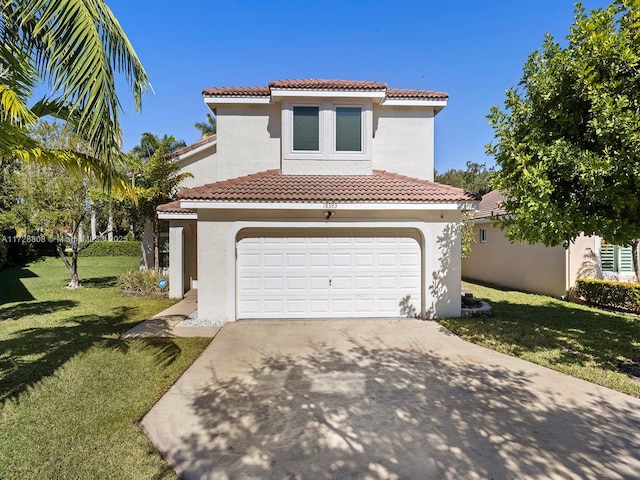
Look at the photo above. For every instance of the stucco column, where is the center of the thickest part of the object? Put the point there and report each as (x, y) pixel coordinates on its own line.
(176, 267)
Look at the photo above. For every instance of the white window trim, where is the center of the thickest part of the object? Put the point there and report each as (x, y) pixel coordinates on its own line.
(483, 235)
(327, 131)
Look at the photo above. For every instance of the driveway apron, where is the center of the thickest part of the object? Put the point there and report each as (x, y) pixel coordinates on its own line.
(385, 399)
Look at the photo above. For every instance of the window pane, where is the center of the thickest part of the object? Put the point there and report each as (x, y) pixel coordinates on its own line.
(306, 128)
(348, 129)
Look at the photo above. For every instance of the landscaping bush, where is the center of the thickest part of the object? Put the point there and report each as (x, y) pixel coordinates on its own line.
(143, 283)
(110, 249)
(605, 293)
(26, 248)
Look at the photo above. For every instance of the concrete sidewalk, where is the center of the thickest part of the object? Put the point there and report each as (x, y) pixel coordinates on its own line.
(385, 399)
(164, 324)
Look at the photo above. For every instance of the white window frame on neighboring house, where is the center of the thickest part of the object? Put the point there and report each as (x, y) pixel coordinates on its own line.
(328, 117)
(483, 235)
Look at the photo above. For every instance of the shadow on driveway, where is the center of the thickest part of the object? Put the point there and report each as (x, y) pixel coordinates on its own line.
(385, 400)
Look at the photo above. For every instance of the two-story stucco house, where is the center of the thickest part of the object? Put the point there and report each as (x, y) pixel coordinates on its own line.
(316, 200)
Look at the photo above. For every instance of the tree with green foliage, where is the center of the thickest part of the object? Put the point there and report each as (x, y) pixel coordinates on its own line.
(476, 178)
(151, 143)
(567, 143)
(77, 49)
(208, 127)
(158, 179)
(52, 201)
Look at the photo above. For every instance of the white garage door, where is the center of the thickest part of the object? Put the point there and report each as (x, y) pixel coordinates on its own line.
(328, 277)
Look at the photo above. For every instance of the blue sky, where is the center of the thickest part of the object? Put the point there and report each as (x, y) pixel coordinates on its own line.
(472, 50)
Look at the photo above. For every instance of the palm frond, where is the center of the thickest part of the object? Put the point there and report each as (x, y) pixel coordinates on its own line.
(78, 47)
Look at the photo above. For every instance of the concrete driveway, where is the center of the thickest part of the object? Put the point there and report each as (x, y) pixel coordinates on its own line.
(385, 399)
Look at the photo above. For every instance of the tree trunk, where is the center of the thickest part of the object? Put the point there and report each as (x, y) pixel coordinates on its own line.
(74, 281)
(143, 251)
(634, 254)
(110, 227)
(72, 266)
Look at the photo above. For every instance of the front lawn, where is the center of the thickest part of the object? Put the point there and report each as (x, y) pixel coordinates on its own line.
(71, 391)
(587, 343)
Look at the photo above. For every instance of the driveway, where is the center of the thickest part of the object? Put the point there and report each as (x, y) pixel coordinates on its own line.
(385, 399)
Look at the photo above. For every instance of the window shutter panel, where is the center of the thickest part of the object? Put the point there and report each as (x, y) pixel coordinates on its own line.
(608, 257)
(626, 259)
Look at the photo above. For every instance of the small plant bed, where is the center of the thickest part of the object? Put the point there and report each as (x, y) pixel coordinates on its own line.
(143, 283)
(72, 391)
(595, 345)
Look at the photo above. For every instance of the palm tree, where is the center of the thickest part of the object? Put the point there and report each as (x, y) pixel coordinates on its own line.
(151, 143)
(76, 48)
(207, 128)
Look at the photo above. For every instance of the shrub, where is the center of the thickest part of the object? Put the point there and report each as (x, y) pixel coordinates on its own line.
(26, 248)
(3, 253)
(618, 295)
(143, 283)
(110, 249)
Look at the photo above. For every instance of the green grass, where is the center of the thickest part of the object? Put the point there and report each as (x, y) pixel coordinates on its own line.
(578, 340)
(72, 392)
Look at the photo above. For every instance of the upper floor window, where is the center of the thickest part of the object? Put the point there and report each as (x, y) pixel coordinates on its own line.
(306, 128)
(324, 130)
(348, 129)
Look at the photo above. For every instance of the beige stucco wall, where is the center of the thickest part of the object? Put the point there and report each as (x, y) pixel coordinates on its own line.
(202, 165)
(403, 140)
(530, 268)
(248, 139)
(218, 232)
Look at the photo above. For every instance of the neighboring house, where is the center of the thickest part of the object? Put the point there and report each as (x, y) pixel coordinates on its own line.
(316, 200)
(536, 268)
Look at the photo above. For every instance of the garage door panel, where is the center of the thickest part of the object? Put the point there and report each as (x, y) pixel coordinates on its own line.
(327, 277)
(296, 260)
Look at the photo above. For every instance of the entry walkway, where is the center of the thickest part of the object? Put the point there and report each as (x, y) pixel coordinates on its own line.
(165, 323)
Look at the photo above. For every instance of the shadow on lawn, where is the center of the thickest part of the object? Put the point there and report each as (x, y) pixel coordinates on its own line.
(29, 355)
(13, 290)
(378, 412)
(99, 282)
(16, 312)
(581, 335)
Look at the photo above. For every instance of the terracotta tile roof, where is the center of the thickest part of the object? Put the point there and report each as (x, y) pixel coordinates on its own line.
(172, 207)
(237, 92)
(193, 146)
(321, 84)
(272, 186)
(491, 205)
(407, 93)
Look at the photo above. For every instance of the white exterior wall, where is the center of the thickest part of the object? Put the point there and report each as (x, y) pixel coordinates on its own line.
(403, 140)
(202, 165)
(248, 139)
(218, 232)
